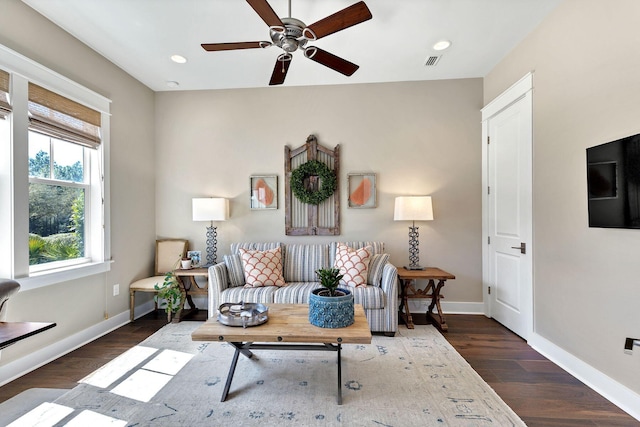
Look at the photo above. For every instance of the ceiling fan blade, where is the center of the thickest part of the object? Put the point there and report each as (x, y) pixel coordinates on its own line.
(280, 70)
(330, 60)
(212, 47)
(348, 17)
(265, 11)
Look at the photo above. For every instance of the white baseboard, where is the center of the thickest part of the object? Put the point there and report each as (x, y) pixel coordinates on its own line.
(143, 309)
(618, 394)
(417, 305)
(26, 364)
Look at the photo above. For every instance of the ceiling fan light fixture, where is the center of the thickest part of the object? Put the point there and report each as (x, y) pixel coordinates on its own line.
(308, 34)
(310, 52)
(178, 59)
(441, 45)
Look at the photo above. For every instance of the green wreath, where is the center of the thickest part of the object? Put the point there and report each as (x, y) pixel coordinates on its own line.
(327, 182)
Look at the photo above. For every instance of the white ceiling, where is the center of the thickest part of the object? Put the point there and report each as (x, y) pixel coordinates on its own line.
(140, 36)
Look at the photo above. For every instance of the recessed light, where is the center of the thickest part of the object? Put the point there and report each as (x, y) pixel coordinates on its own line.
(172, 83)
(178, 59)
(442, 45)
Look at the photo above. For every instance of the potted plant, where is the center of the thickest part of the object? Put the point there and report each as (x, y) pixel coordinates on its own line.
(170, 294)
(330, 306)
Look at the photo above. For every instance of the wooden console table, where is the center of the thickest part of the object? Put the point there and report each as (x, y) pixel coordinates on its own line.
(408, 290)
(188, 287)
(12, 332)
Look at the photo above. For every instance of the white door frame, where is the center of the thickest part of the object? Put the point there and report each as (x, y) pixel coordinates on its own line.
(521, 89)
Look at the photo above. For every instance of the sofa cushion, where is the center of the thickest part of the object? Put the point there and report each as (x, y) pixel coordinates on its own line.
(295, 293)
(376, 268)
(234, 266)
(302, 261)
(353, 264)
(262, 268)
(371, 297)
(262, 295)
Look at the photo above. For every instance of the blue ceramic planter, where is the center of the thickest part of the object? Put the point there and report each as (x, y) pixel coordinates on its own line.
(331, 312)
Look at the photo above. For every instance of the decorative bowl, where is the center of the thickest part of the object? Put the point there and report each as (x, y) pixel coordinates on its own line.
(243, 314)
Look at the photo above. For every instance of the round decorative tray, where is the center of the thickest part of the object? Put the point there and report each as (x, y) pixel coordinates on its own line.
(243, 314)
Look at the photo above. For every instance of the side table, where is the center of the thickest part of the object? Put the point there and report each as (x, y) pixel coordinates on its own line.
(407, 290)
(188, 287)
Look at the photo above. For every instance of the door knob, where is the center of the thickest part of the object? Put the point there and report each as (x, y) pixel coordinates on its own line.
(522, 247)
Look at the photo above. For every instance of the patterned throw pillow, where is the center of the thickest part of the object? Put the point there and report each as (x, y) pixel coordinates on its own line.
(376, 268)
(353, 264)
(262, 268)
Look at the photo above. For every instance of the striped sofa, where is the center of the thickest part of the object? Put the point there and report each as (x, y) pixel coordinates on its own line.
(300, 261)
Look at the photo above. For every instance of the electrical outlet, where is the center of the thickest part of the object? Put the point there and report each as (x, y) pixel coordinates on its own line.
(629, 343)
(116, 290)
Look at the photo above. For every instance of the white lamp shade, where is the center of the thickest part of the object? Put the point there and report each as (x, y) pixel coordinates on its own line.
(413, 208)
(210, 209)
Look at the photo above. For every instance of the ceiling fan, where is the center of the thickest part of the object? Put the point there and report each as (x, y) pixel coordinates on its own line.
(291, 34)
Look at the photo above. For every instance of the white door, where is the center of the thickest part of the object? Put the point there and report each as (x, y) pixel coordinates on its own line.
(508, 275)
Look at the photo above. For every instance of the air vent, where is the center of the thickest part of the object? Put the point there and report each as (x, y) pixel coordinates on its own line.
(432, 61)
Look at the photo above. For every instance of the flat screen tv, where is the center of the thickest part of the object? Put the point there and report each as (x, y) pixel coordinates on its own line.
(613, 181)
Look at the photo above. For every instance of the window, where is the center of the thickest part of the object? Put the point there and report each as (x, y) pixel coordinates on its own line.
(53, 151)
(58, 188)
(60, 131)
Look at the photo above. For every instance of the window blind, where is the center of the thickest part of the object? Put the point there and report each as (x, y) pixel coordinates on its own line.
(59, 117)
(5, 106)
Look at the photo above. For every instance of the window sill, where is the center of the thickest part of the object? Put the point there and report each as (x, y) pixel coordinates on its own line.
(51, 277)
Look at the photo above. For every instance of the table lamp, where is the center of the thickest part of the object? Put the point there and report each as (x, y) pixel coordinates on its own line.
(211, 209)
(413, 208)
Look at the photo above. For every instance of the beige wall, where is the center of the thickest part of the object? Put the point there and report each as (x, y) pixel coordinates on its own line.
(420, 138)
(82, 303)
(586, 92)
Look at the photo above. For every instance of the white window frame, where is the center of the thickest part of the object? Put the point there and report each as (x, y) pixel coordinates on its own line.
(90, 157)
(14, 165)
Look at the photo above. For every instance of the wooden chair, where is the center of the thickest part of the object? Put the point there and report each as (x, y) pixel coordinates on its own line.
(169, 252)
(7, 289)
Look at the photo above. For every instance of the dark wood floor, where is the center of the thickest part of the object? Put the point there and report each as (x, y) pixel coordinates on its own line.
(540, 392)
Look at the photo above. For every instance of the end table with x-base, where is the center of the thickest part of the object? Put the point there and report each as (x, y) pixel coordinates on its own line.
(408, 290)
(189, 287)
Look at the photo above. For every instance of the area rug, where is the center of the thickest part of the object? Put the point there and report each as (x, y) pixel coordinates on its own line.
(413, 379)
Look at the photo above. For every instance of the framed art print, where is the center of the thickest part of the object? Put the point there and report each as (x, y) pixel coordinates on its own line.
(362, 190)
(196, 258)
(264, 192)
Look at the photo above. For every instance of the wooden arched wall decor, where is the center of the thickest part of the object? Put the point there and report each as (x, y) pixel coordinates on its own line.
(302, 219)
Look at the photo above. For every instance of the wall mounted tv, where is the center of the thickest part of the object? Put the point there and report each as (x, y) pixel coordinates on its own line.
(613, 177)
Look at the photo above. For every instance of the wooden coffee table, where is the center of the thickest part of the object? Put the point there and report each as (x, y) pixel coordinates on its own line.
(288, 323)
